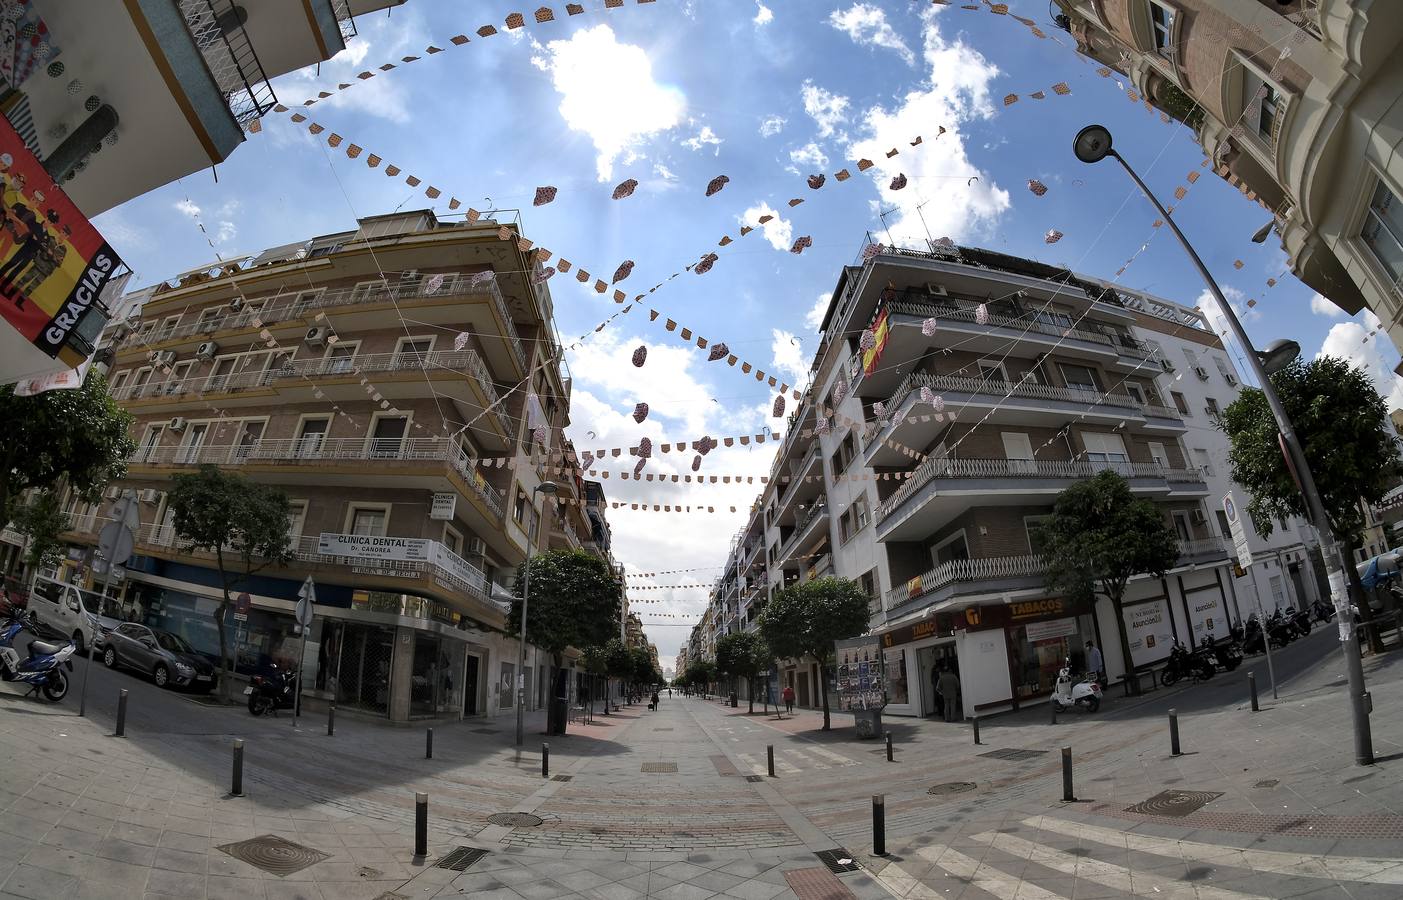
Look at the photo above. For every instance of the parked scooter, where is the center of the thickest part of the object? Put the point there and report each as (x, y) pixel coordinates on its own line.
(1282, 629)
(1226, 654)
(1183, 664)
(1301, 619)
(272, 692)
(43, 671)
(1069, 693)
(1323, 612)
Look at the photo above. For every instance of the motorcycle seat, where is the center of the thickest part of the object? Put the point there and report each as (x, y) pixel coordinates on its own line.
(43, 648)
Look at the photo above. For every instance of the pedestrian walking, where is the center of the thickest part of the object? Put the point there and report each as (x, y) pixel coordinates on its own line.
(655, 701)
(789, 699)
(1094, 662)
(669, 693)
(949, 689)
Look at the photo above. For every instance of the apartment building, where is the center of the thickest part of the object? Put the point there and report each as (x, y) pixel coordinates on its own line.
(1045, 378)
(366, 374)
(1297, 104)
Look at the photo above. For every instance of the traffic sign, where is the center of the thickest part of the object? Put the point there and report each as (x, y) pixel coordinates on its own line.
(241, 606)
(1239, 536)
(307, 597)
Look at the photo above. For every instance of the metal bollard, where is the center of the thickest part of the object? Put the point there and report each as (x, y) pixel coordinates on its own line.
(1252, 684)
(975, 720)
(879, 825)
(421, 824)
(1068, 795)
(545, 760)
(429, 744)
(122, 713)
(1174, 733)
(889, 759)
(770, 756)
(237, 789)
(1052, 705)
(330, 721)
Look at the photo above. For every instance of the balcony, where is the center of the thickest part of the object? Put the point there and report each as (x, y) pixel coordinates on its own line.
(229, 56)
(807, 528)
(961, 576)
(940, 489)
(1204, 550)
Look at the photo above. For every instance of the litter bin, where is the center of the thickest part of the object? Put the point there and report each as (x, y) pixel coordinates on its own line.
(868, 723)
(734, 701)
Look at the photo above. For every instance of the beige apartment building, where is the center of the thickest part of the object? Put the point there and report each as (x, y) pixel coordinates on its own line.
(1298, 105)
(366, 374)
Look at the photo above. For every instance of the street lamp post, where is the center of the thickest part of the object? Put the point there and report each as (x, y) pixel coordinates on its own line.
(545, 487)
(1093, 144)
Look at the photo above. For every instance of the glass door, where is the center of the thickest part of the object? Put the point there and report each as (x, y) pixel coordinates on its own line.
(387, 437)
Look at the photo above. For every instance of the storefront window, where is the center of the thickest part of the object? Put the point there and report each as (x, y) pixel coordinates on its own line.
(1040, 649)
(897, 691)
(508, 686)
(436, 681)
(355, 662)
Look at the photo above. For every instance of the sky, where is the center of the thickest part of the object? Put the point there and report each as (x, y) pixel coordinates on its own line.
(677, 92)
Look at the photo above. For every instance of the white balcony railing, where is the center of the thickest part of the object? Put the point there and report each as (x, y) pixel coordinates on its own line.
(819, 511)
(952, 384)
(964, 570)
(1204, 547)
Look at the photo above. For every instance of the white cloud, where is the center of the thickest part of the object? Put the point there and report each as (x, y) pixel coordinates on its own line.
(608, 92)
(787, 356)
(772, 125)
(385, 98)
(763, 15)
(956, 90)
(868, 25)
(809, 155)
(1207, 302)
(1377, 357)
(779, 232)
(814, 317)
(1322, 307)
(188, 208)
(226, 232)
(706, 137)
(828, 110)
(664, 172)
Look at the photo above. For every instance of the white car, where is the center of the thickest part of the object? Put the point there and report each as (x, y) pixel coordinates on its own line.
(84, 616)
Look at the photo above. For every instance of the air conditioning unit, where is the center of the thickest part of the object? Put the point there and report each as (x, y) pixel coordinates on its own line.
(1201, 372)
(1199, 517)
(164, 357)
(236, 304)
(936, 290)
(207, 350)
(113, 492)
(177, 424)
(1231, 379)
(316, 336)
(147, 496)
(476, 546)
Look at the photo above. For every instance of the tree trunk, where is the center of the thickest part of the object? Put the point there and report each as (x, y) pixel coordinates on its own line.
(750, 694)
(823, 691)
(557, 712)
(1132, 683)
(219, 621)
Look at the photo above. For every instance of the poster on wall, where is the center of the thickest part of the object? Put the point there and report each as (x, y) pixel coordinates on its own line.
(1147, 626)
(1207, 614)
(861, 674)
(53, 263)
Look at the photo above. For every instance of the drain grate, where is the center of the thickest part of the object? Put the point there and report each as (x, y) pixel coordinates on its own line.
(1012, 754)
(951, 787)
(1267, 783)
(1174, 804)
(755, 778)
(274, 855)
(659, 768)
(562, 778)
(461, 859)
(515, 819)
(838, 860)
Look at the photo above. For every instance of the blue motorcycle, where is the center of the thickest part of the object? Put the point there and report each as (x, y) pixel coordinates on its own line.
(43, 671)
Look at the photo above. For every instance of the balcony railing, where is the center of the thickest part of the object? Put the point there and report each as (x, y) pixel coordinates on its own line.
(962, 311)
(935, 467)
(1202, 547)
(1161, 412)
(216, 28)
(316, 449)
(942, 384)
(815, 511)
(344, 19)
(962, 570)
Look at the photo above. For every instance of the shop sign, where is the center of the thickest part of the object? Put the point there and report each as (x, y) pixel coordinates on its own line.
(1148, 630)
(458, 567)
(365, 546)
(1047, 631)
(1035, 609)
(443, 507)
(392, 573)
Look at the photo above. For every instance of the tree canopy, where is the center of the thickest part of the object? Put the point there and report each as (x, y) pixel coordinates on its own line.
(574, 601)
(746, 655)
(805, 619)
(42, 520)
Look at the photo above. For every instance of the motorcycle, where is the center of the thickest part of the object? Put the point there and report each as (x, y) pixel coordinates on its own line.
(1301, 619)
(271, 693)
(1068, 693)
(1323, 611)
(1225, 654)
(1282, 629)
(1183, 664)
(43, 671)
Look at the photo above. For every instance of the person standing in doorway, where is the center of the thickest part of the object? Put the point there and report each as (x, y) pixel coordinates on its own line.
(789, 699)
(1095, 664)
(949, 689)
(935, 691)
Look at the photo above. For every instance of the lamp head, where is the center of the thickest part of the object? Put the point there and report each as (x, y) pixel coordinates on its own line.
(548, 487)
(1278, 355)
(1092, 144)
(1261, 234)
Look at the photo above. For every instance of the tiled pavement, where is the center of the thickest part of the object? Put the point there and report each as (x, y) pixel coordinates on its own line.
(88, 815)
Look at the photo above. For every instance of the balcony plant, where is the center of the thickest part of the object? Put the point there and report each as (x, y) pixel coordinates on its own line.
(805, 619)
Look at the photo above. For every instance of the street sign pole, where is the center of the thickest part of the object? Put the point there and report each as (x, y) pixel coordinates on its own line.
(1244, 559)
(114, 548)
(307, 598)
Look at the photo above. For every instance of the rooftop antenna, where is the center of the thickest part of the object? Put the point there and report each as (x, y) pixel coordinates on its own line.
(929, 239)
(883, 217)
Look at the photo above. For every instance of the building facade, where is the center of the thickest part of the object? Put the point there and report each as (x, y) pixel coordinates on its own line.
(1042, 378)
(1297, 104)
(400, 383)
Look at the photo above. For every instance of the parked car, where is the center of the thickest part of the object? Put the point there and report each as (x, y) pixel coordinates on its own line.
(72, 612)
(167, 657)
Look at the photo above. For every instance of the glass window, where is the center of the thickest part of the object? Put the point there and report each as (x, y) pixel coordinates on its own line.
(339, 358)
(1223, 527)
(897, 691)
(1180, 403)
(1080, 377)
(313, 435)
(1383, 230)
(1262, 102)
(1162, 25)
(1040, 649)
(953, 549)
(173, 642)
(1033, 525)
(1212, 406)
(368, 522)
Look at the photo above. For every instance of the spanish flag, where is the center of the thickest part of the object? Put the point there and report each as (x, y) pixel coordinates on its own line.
(881, 330)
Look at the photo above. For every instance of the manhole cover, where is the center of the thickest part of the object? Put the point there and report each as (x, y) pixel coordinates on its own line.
(1267, 783)
(274, 855)
(754, 778)
(515, 819)
(1174, 804)
(660, 768)
(460, 859)
(1012, 754)
(562, 778)
(951, 787)
(838, 860)
(368, 872)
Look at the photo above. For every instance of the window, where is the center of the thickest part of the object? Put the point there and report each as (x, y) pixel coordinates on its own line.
(1080, 378)
(312, 436)
(859, 511)
(992, 371)
(195, 435)
(953, 548)
(1034, 525)
(208, 315)
(369, 520)
(845, 454)
(868, 582)
(1105, 450)
(412, 351)
(1157, 454)
(1383, 230)
(119, 381)
(1162, 28)
(853, 519)
(1180, 403)
(167, 327)
(1018, 450)
(452, 540)
(1212, 406)
(1201, 460)
(1223, 527)
(139, 380)
(219, 373)
(249, 436)
(296, 518)
(387, 436)
(1136, 392)
(522, 504)
(1261, 101)
(150, 441)
(175, 383)
(338, 358)
(1182, 526)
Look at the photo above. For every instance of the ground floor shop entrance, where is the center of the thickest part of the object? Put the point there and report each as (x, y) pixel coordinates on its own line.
(356, 664)
(470, 685)
(931, 662)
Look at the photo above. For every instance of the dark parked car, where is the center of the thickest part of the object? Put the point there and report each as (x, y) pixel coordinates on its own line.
(167, 657)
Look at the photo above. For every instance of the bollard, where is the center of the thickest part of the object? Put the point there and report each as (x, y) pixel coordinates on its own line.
(237, 789)
(421, 824)
(1068, 795)
(770, 756)
(1174, 733)
(330, 721)
(429, 744)
(1053, 706)
(889, 759)
(975, 720)
(545, 760)
(1252, 684)
(122, 713)
(879, 825)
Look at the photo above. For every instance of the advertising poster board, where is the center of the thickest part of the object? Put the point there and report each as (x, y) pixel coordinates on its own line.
(1148, 628)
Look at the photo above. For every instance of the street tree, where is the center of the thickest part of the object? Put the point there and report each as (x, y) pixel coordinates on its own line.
(1098, 537)
(595, 662)
(574, 597)
(700, 674)
(80, 437)
(806, 619)
(41, 520)
(618, 662)
(226, 514)
(744, 655)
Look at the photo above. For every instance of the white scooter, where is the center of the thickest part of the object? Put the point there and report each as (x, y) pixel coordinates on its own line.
(1086, 692)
